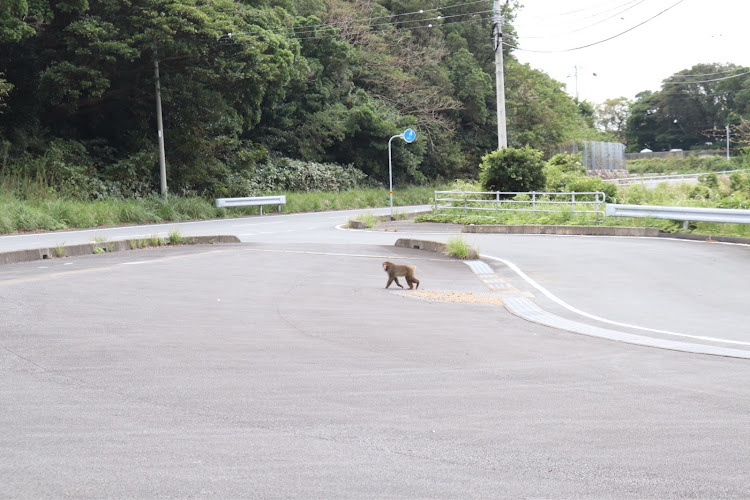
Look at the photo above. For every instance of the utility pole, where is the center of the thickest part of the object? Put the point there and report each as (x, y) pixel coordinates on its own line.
(160, 127)
(727, 142)
(497, 45)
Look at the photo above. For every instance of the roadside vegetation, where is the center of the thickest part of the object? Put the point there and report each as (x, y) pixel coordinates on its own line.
(457, 247)
(564, 173)
(32, 204)
(690, 165)
(51, 211)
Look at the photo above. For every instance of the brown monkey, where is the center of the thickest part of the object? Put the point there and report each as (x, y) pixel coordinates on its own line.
(396, 270)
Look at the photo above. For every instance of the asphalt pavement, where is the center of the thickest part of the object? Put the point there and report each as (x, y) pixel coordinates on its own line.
(280, 367)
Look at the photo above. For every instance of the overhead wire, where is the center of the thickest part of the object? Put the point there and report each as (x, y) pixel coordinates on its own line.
(476, 16)
(706, 81)
(707, 74)
(313, 28)
(600, 41)
(557, 35)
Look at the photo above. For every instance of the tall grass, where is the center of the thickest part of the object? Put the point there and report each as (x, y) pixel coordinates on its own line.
(41, 210)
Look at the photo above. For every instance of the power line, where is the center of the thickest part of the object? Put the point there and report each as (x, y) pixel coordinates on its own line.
(584, 9)
(600, 41)
(312, 28)
(478, 16)
(707, 74)
(707, 81)
(557, 35)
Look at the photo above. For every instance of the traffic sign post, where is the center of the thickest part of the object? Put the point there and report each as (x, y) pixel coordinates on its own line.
(408, 136)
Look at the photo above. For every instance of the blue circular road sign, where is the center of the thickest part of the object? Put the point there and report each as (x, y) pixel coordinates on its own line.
(409, 135)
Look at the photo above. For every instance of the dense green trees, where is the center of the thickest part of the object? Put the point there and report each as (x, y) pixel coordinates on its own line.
(325, 81)
(689, 106)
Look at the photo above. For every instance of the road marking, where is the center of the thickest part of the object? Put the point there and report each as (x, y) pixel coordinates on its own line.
(575, 310)
(256, 224)
(87, 270)
(334, 254)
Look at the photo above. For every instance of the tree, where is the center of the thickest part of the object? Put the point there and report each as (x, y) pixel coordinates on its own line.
(12, 26)
(706, 96)
(612, 117)
(513, 170)
(540, 113)
(91, 79)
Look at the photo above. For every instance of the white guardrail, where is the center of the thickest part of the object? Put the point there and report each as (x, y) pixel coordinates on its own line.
(657, 178)
(252, 201)
(695, 214)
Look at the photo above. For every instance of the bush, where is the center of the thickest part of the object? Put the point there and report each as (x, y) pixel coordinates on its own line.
(711, 180)
(284, 174)
(512, 169)
(566, 173)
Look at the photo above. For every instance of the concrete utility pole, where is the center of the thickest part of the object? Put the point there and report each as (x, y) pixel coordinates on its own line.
(497, 45)
(727, 142)
(160, 126)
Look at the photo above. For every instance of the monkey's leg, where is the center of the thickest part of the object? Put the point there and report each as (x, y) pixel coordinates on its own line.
(399, 284)
(390, 280)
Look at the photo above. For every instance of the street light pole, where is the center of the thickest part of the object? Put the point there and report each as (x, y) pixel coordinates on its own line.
(390, 171)
(408, 136)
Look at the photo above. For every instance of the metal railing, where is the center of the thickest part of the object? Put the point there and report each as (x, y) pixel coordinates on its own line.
(252, 201)
(657, 178)
(493, 203)
(686, 214)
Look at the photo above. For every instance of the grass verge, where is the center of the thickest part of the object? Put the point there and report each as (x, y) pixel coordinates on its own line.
(49, 213)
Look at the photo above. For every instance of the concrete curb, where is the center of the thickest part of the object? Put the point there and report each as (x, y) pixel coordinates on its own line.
(648, 232)
(564, 230)
(104, 247)
(358, 224)
(430, 246)
(707, 238)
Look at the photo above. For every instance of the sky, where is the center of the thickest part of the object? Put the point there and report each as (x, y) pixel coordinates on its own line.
(690, 32)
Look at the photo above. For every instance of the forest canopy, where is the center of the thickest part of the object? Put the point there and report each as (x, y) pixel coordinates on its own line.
(244, 81)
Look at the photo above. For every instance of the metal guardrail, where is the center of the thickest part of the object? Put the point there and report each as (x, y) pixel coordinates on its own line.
(623, 181)
(492, 203)
(686, 214)
(252, 201)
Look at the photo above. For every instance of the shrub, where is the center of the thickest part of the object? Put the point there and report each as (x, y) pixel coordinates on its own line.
(512, 169)
(284, 174)
(700, 192)
(566, 173)
(711, 180)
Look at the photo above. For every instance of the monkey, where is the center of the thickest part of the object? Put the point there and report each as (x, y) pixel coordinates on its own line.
(396, 270)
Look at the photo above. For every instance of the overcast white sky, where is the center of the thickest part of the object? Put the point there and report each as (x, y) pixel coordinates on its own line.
(691, 32)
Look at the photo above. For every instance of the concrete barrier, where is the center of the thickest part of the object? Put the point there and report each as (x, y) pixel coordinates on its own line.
(81, 249)
(430, 246)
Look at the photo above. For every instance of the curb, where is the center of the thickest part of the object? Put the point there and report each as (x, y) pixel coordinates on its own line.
(706, 237)
(430, 246)
(564, 230)
(358, 224)
(44, 253)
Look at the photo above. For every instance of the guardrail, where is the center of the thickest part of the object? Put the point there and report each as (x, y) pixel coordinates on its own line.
(492, 203)
(252, 201)
(686, 214)
(623, 181)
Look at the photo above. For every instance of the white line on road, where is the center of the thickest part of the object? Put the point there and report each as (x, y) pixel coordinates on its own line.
(567, 306)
